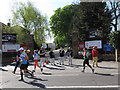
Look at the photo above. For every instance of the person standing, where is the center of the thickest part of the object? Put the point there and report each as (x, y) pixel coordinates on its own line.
(23, 61)
(69, 54)
(36, 58)
(42, 56)
(86, 60)
(61, 52)
(94, 55)
(52, 57)
(17, 62)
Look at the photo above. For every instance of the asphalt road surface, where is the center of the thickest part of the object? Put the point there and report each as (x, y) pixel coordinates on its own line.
(63, 76)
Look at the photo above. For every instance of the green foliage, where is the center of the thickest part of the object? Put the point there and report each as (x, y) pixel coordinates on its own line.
(93, 15)
(60, 24)
(20, 34)
(27, 16)
(115, 39)
(84, 16)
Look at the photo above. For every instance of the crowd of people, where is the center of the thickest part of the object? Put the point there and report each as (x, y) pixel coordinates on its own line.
(40, 55)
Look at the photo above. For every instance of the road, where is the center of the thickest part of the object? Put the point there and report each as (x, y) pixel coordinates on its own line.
(63, 76)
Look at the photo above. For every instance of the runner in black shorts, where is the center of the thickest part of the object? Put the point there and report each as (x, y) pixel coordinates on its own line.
(42, 57)
(23, 62)
(86, 60)
(27, 70)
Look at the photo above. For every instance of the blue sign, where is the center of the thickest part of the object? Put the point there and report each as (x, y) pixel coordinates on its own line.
(108, 47)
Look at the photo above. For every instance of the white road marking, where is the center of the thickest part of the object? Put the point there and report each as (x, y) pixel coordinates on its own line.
(114, 73)
(109, 86)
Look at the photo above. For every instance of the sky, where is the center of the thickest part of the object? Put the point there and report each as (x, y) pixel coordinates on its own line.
(46, 7)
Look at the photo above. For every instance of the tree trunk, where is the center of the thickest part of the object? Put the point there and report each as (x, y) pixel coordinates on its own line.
(75, 44)
(116, 55)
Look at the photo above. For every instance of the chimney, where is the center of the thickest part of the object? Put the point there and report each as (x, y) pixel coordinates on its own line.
(9, 23)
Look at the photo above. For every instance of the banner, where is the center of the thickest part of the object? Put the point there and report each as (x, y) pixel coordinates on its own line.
(10, 48)
(108, 47)
(81, 45)
(96, 43)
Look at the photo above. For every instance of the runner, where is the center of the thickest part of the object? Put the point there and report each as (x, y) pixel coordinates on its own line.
(23, 62)
(28, 71)
(69, 53)
(86, 60)
(17, 62)
(42, 56)
(52, 57)
(61, 52)
(36, 58)
(94, 55)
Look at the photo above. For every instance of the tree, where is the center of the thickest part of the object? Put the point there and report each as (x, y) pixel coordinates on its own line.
(115, 8)
(93, 15)
(114, 39)
(60, 25)
(88, 15)
(27, 16)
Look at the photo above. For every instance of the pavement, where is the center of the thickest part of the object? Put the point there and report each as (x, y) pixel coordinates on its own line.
(63, 76)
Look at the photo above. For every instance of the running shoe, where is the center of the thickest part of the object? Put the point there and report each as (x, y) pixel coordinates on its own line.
(33, 71)
(82, 71)
(93, 70)
(41, 69)
(21, 80)
(13, 72)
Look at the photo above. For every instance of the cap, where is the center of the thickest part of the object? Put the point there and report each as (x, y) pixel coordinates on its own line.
(21, 49)
(28, 50)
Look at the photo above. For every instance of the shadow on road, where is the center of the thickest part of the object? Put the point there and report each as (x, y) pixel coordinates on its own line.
(52, 68)
(106, 67)
(47, 73)
(35, 79)
(34, 83)
(58, 66)
(3, 69)
(103, 74)
(76, 66)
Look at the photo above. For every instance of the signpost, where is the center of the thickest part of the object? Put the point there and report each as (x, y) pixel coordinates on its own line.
(95, 43)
